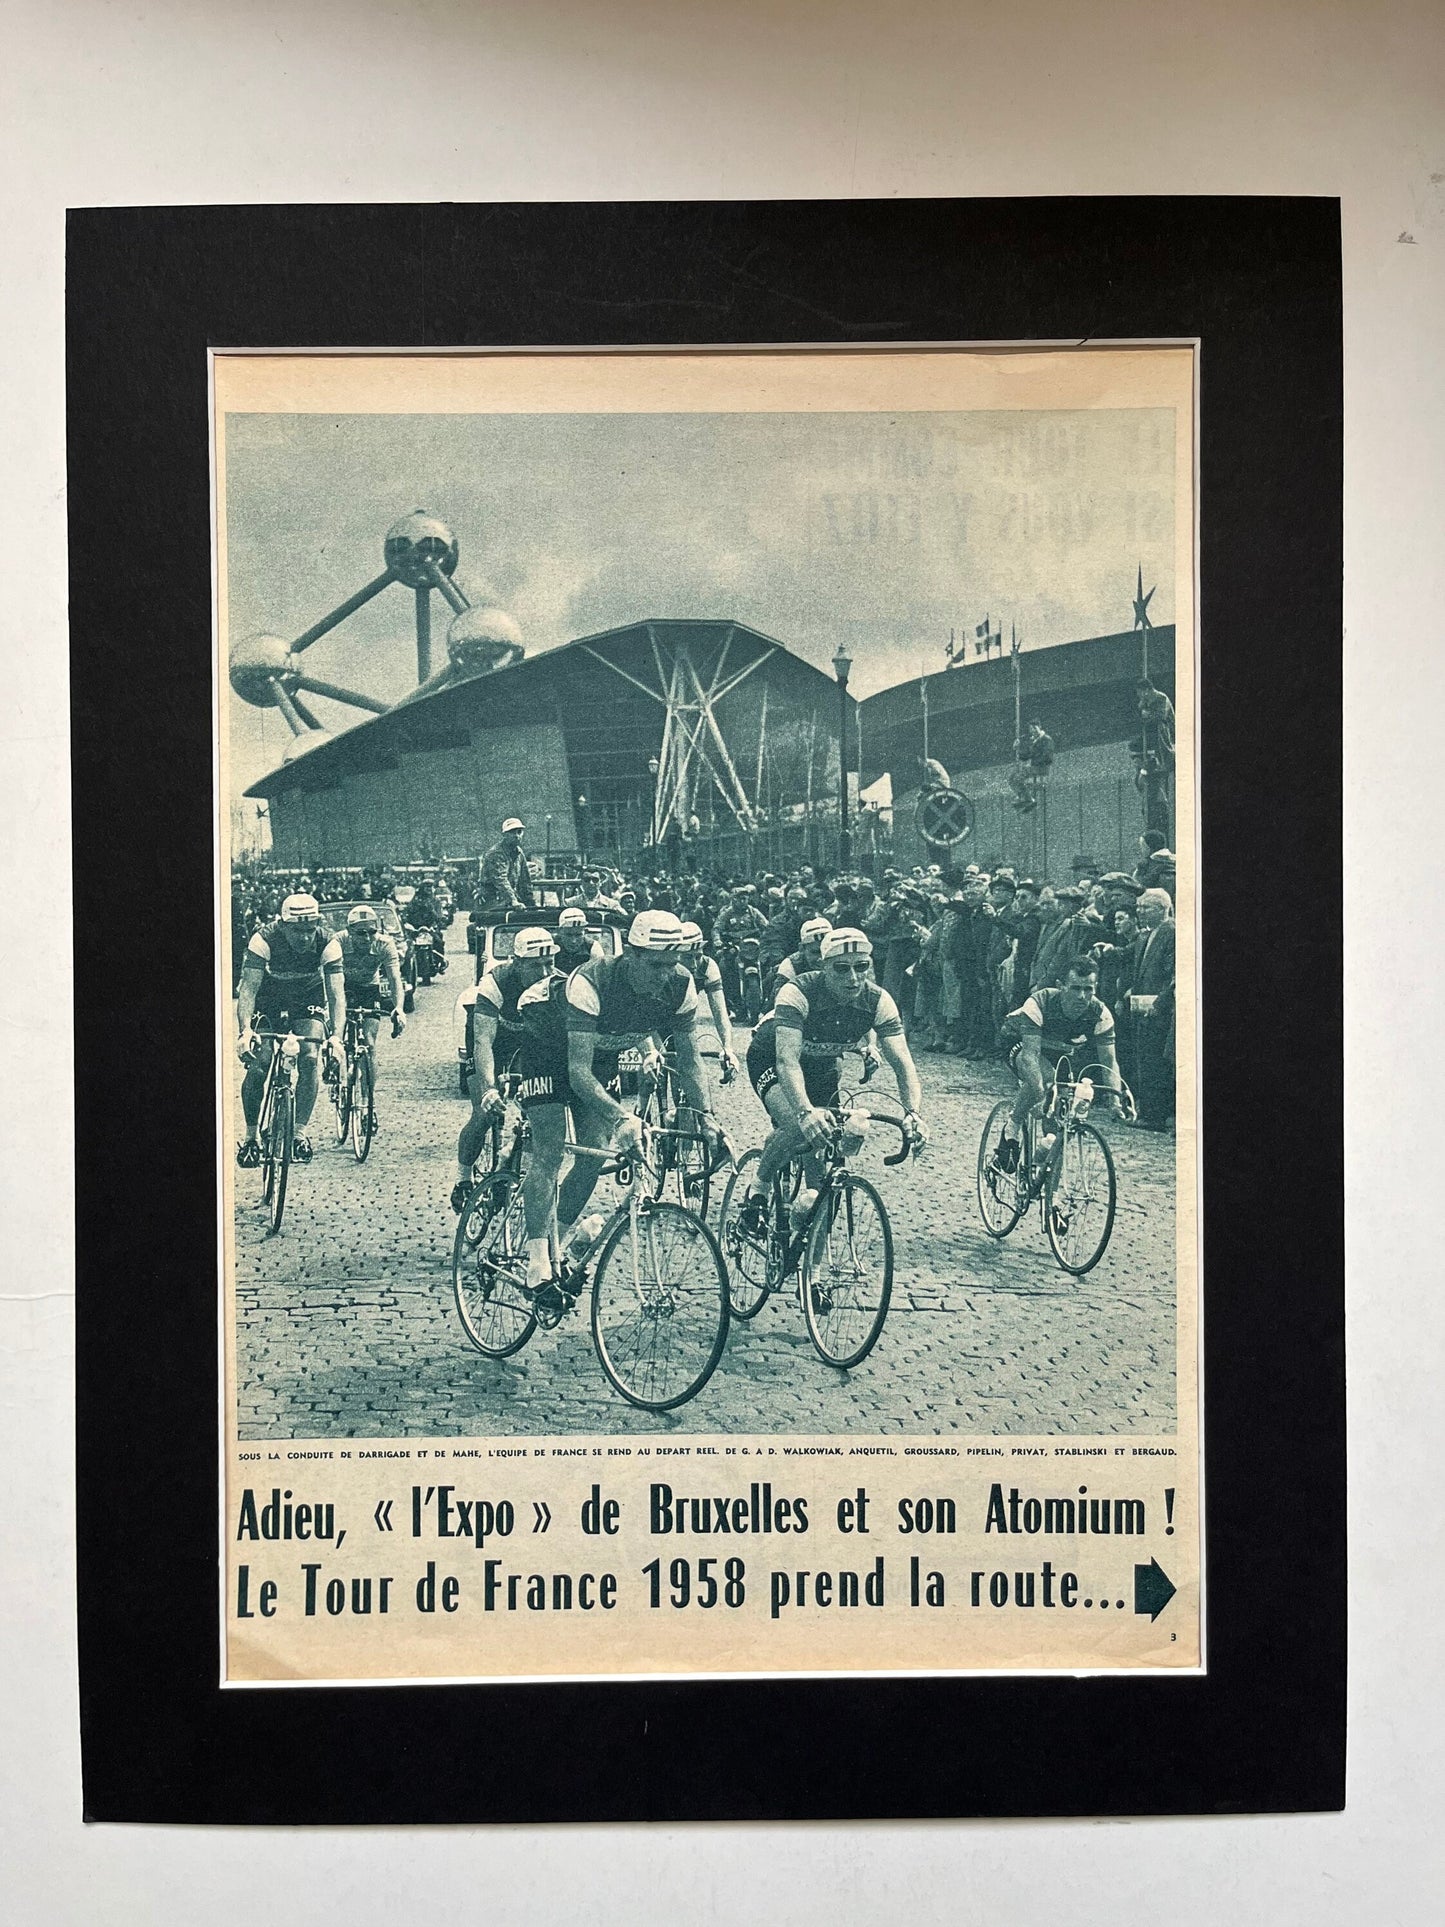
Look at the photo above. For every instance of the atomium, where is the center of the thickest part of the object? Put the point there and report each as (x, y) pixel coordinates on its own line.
(304, 744)
(416, 541)
(257, 664)
(421, 553)
(481, 640)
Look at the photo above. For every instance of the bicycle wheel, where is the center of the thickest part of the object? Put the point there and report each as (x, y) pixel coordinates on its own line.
(747, 1260)
(363, 1106)
(1080, 1193)
(659, 1305)
(847, 1272)
(278, 1153)
(489, 1268)
(1003, 1196)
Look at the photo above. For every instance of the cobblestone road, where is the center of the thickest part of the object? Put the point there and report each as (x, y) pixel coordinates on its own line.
(346, 1325)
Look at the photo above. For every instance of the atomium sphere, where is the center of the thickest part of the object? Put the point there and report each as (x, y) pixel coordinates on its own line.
(416, 539)
(255, 661)
(303, 745)
(480, 640)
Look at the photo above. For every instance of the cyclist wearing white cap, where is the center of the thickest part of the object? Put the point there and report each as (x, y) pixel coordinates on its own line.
(505, 879)
(575, 942)
(708, 978)
(494, 1032)
(646, 994)
(809, 953)
(794, 1058)
(291, 980)
(367, 955)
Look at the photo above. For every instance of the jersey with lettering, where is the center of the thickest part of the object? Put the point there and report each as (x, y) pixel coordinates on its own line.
(1060, 1035)
(599, 998)
(367, 963)
(827, 1026)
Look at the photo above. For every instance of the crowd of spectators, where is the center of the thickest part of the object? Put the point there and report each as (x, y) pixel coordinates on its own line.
(957, 947)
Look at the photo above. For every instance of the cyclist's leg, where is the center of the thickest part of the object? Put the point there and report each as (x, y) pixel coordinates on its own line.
(473, 1134)
(592, 1126)
(311, 1031)
(252, 1085)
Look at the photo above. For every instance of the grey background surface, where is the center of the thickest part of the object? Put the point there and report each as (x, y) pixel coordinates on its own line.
(675, 98)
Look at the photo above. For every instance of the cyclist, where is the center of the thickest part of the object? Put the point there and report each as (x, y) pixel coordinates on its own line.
(1048, 1026)
(367, 955)
(495, 1034)
(644, 995)
(708, 978)
(809, 953)
(796, 1050)
(575, 945)
(291, 980)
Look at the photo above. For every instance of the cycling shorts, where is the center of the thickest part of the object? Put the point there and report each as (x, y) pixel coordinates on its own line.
(820, 1075)
(368, 997)
(280, 1007)
(541, 1071)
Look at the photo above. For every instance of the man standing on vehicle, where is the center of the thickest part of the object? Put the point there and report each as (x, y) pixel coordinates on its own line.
(506, 882)
(291, 980)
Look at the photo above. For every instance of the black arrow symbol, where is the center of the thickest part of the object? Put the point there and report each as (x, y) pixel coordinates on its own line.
(382, 1515)
(1153, 1589)
(543, 1518)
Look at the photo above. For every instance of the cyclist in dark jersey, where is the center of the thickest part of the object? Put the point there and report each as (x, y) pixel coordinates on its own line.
(1067, 1022)
(291, 980)
(797, 1048)
(496, 1036)
(644, 995)
(809, 953)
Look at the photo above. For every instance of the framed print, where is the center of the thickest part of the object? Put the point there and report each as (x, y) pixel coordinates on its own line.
(713, 1212)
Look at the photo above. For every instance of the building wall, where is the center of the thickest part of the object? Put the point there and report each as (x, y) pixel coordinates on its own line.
(448, 800)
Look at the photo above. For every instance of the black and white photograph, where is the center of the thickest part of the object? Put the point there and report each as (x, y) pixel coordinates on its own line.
(705, 909)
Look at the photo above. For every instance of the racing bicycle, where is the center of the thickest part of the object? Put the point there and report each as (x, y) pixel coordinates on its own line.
(839, 1247)
(353, 1086)
(658, 1285)
(1063, 1160)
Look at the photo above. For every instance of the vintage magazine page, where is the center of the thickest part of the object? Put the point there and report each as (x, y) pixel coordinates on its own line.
(708, 1018)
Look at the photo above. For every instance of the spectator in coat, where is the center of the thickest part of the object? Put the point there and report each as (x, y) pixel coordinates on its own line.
(1150, 1003)
(506, 882)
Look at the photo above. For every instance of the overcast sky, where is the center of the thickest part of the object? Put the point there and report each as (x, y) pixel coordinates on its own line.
(883, 531)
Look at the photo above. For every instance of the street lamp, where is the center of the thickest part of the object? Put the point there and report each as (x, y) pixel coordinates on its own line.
(653, 766)
(582, 826)
(842, 666)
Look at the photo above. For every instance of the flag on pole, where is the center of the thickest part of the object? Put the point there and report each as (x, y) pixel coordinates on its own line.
(982, 629)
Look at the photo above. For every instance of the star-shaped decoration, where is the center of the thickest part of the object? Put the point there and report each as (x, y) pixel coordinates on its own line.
(1141, 603)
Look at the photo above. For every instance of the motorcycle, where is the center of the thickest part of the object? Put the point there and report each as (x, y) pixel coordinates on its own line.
(426, 957)
(750, 980)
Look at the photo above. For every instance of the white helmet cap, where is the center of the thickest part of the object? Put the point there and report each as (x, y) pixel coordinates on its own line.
(300, 909)
(692, 936)
(361, 916)
(846, 943)
(513, 823)
(814, 929)
(573, 918)
(655, 930)
(534, 942)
